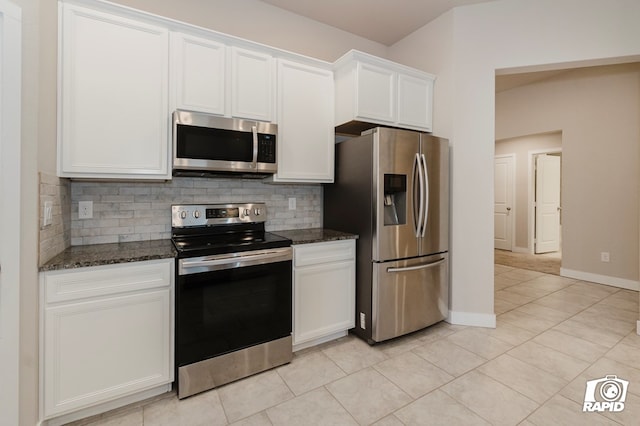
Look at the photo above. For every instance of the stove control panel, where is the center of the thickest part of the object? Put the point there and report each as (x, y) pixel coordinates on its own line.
(188, 215)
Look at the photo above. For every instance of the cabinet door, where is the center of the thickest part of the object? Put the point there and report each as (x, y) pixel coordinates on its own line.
(415, 97)
(98, 350)
(198, 77)
(114, 107)
(376, 95)
(305, 123)
(252, 81)
(324, 300)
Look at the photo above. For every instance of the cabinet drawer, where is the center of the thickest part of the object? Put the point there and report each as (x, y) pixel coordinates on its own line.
(316, 253)
(74, 284)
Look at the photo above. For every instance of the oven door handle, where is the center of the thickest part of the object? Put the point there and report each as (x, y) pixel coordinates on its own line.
(233, 260)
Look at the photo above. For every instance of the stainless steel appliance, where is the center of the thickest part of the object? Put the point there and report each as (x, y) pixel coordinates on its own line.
(205, 144)
(392, 188)
(233, 295)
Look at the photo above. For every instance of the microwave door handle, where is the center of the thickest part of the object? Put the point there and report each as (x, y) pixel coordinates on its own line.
(426, 195)
(254, 131)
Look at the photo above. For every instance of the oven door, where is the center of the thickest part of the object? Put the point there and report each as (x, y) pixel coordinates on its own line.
(232, 301)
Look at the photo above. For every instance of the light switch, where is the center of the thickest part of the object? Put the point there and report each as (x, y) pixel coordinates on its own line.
(47, 216)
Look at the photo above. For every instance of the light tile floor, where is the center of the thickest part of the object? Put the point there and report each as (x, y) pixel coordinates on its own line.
(552, 335)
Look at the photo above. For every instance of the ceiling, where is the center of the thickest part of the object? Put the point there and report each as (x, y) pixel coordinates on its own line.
(389, 21)
(383, 21)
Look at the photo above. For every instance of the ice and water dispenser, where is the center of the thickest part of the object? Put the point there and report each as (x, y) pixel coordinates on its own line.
(395, 199)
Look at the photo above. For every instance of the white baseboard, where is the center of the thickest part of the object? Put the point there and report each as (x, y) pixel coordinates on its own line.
(601, 279)
(320, 340)
(638, 327)
(473, 319)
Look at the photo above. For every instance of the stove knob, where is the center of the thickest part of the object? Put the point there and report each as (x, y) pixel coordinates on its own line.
(247, 212)
(183, 214)
(196, 214)
(258, 212)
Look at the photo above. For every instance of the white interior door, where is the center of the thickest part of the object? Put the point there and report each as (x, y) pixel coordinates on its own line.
(503, 207)
(547, 203)
(10, 59)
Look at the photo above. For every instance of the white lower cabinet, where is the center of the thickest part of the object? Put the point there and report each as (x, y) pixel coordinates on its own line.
(107, 333)
(323, 292)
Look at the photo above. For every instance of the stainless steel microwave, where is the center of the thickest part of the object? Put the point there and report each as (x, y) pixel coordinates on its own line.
(208, 144)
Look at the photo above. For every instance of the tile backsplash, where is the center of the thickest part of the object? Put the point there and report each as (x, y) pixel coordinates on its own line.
(55, 237)
(126, 211)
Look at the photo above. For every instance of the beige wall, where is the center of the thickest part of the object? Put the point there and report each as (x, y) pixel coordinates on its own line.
(32, 110)
(521, 147)
(598, 111)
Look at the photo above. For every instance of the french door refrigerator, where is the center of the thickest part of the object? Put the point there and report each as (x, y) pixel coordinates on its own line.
(392, 189)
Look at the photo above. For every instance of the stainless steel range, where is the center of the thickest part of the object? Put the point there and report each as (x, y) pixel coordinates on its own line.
(233, 295)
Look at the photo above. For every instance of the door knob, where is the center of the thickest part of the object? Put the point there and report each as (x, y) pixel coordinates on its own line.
(508, 209)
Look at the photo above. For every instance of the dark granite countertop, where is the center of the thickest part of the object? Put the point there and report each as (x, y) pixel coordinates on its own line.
(107, 254)
(314, 235)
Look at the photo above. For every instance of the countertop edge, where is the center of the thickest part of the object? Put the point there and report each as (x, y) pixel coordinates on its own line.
(314, 235)
(75, 257)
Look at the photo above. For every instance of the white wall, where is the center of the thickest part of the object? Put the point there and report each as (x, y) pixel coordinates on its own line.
(30, 135)
(495, 36)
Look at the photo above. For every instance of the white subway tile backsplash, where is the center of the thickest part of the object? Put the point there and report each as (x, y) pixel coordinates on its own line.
(141, 211)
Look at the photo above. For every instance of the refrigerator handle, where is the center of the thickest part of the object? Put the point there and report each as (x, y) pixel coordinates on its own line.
(418, 164)
(426, 195)
(417, 267)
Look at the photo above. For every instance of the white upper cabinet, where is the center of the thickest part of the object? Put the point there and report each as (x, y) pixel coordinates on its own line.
(376, 93)
(210, 76)
(415, 100)
(305, 123)
(198, 74)
(375, 90)
(113, 94)
(252, 84)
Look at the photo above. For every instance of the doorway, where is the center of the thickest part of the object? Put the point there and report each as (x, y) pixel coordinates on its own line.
(522, 208)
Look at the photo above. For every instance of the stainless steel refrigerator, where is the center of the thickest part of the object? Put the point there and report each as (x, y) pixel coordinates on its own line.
(392, 189)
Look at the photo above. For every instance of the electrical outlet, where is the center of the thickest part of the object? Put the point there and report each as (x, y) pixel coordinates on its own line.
(85, 209)
(47, 214)
(604, 256)
(292, 203)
